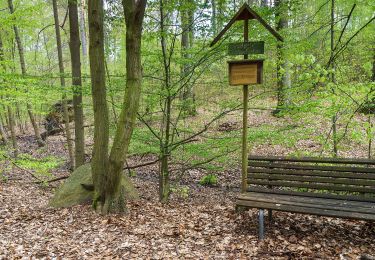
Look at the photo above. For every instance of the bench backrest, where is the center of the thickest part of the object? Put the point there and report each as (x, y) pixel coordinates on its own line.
(337, 176)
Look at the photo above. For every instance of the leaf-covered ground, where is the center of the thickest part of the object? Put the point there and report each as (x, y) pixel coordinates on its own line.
(204, 226)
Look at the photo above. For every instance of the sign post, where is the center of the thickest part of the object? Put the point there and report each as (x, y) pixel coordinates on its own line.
(245, 115)
(245, 72)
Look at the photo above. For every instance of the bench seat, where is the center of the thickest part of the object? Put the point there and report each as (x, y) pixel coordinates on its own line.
(362, 210)
(333, 187)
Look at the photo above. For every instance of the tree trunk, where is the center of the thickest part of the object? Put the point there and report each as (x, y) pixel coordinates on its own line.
(188, 98)
(191, 14)
(332, 75)
(3, 133)
(134, 13)
(99, 161)
(62, 82)
(109, 197)
(75, 56)
(283, 74)
(213, 17)
(13, 131)
(83, 28)
(10, 122)
(23, 69)
(221, 6)
(164, 187)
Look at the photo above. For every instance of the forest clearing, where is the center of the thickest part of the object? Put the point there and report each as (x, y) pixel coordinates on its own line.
(216, 129)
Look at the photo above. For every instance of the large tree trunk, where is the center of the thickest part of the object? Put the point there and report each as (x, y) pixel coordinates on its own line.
(283, 78)
(62, 82)
(99, 161)
(109, 194)
(23, 69)
(134, 13)
(77, 84)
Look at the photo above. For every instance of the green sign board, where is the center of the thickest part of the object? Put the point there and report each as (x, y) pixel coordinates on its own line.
(242, 48)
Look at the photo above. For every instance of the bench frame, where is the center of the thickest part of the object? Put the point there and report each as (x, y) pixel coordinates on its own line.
(349, 186)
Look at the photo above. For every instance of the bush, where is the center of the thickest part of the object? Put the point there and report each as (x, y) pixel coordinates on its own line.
(208, 180)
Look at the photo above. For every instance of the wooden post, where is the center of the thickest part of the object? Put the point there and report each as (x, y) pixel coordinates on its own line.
(244, 120)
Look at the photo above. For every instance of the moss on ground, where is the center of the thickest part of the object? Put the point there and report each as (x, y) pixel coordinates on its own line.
(72, 193)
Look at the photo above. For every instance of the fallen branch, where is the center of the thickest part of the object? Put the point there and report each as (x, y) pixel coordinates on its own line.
(19, 167)
(141, 165)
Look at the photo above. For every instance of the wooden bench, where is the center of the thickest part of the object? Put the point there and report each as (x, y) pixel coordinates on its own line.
(343, 188)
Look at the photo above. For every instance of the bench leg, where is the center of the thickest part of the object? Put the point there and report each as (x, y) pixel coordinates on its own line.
(261, 224)
(270, 215)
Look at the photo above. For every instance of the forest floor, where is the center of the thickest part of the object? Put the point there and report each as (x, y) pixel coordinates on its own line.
(200, 225)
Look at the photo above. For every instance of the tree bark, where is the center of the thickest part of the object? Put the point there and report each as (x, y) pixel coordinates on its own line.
(75, 56)
(99, 161)
(24, 72)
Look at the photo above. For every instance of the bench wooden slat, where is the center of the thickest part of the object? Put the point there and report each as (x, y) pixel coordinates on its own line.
(312, 167)
(311, 159)
(316, 186)
(361, 198)
(313, 173)
(305, 210)
(286, 177)
(339, 205)
(336, 187)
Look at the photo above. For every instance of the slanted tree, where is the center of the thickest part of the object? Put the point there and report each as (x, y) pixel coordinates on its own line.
(75, 56)
(24, 72)
(106, 170)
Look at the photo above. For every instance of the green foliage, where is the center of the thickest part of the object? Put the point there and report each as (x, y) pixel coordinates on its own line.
(132, 173)
(209, 180)
(181, 191)
(42, 167)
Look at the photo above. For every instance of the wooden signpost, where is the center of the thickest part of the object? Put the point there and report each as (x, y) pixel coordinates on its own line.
(245, 72)
(242, 48)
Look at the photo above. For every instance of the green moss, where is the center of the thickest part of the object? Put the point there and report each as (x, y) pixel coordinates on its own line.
(72, 193)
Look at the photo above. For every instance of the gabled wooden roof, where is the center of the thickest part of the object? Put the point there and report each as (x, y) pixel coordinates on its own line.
(244, 13)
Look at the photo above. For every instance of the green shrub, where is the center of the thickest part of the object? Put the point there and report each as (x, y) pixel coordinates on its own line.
(208, 180)
(181, 191)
